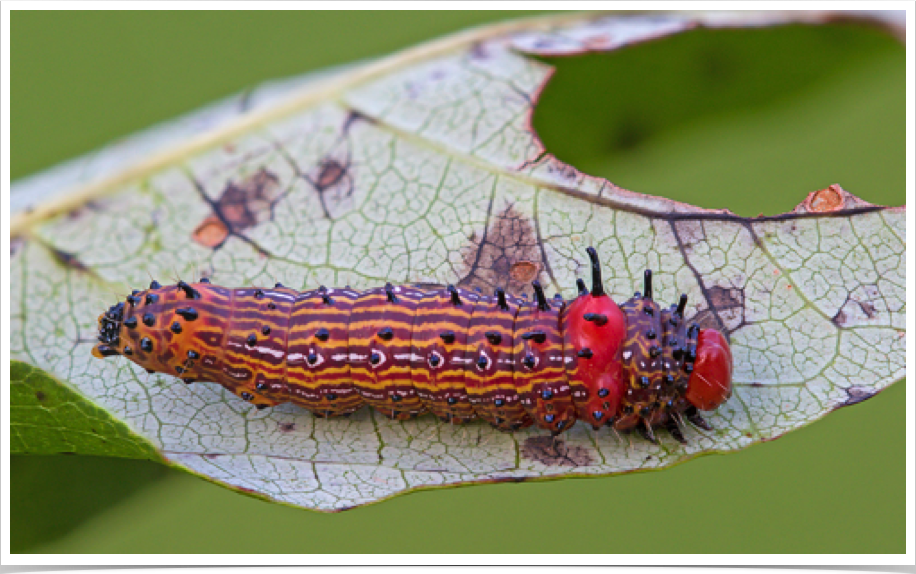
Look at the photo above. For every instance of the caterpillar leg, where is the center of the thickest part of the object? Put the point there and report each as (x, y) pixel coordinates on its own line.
(694, 417)
(675, 430)
(646, 432)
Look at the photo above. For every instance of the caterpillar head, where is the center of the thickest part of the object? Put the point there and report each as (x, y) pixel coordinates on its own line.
(109, 331)
(710, 384)
(147, 327)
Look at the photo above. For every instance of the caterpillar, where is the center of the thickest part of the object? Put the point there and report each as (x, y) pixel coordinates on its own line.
(412, 349)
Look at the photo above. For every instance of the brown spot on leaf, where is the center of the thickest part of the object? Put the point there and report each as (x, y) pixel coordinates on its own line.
(726, 312)
(286, 427)
(16, 245)
(332, 179)
(524, 271)
(857, 395)
(68, 260)
(555, 452)
(212, 232)
(39, 395)
(826, 200)
(330, 173)
(505, 255)
(724, 299)
(82, 210)
(240, 207)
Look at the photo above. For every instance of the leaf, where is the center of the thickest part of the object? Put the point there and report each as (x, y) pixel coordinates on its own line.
(423, 168)
(47, 417)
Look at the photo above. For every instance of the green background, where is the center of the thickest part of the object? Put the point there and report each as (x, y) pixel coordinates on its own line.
(751, 120)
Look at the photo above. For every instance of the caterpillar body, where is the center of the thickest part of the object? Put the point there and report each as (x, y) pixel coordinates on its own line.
(459, 354)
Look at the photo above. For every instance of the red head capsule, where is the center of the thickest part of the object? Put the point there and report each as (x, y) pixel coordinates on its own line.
(710, 384)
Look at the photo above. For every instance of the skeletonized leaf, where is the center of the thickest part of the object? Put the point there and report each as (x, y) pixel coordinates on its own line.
(424, 168)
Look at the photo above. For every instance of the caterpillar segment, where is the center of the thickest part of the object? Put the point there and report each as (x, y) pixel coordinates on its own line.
(594, 329)
(255, 345)
(489, 377)
(381, 324)
(540, 371)
(440, 351)
(318, 362)
(408, 350)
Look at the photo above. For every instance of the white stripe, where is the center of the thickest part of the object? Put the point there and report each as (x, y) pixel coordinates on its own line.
(268, 351)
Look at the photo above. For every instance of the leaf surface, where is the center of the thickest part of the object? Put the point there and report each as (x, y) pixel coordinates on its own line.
(424, 168)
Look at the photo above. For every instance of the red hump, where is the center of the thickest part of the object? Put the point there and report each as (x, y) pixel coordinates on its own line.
(594, 330)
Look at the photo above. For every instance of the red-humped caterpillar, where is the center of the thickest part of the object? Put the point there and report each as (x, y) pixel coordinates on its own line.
(407, 350)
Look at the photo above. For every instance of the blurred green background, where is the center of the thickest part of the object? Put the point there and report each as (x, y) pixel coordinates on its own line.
(751, 120)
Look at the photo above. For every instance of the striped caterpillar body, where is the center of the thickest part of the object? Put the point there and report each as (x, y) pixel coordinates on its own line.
(407, 350)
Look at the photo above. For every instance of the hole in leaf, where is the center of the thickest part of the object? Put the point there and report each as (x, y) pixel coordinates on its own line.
(751, 120)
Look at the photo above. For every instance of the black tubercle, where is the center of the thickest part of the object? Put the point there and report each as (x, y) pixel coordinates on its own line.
(596, 318)
(581, 288)
(681, 305)
(322, 334)
(189, 292)
(456, 299)
(543, 305)
(106, 351)
(386, 333)
(154, 284)
(536, 336)
(389, 292)
(501, 299)
(447, 336)
(597, 285)
(494, 337)
(187, 313)
(647, 284)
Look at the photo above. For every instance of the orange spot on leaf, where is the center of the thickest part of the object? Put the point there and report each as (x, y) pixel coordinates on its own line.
(211, 232)
(524, 271)
(826, 200)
